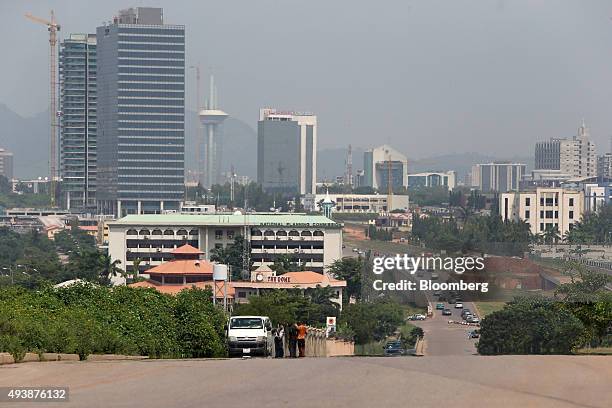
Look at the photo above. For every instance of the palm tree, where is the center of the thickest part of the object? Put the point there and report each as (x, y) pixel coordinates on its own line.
(323, 296)
(110, 267)
(551, 235)
(135, 268)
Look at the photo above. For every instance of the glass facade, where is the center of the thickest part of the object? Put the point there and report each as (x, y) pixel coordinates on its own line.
(77, 69)
(141, 102)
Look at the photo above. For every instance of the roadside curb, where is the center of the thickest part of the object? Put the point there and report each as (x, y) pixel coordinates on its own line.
(7, 358)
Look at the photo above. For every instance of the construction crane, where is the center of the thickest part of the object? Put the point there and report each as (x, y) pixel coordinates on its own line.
(53, 28)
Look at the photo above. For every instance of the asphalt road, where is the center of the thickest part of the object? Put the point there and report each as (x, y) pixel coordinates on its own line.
(455, 381)
(443, 339)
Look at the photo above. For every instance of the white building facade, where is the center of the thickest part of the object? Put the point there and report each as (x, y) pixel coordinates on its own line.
(383, 163)
(287, 151)
(357, 203)
(543, 208)
(313, 241)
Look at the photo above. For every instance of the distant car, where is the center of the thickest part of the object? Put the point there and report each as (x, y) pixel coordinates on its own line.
(355, 249)
(459, 306)
(394, 348)
(402, 239)
(439, 306)
(475, 319)
(434, 275)
(465, 311)
(451, 301)
(417, 317)
(437, 293)
(474, 334)
(447, 312)
(360, 252)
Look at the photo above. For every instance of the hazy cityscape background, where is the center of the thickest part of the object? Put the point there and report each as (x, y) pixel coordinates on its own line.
(432, 78)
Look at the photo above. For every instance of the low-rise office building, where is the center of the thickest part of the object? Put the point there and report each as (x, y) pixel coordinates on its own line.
(357, 203)
(313, 241)
(497, 177)
(433, 179)
(544, 208)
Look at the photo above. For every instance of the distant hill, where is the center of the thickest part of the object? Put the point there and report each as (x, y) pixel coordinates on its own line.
(331, 162)
(28, 139)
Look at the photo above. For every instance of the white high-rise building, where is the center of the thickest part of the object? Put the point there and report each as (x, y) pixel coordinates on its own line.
(604, 165)
(574, 157)
(287, 151)
(383, 163)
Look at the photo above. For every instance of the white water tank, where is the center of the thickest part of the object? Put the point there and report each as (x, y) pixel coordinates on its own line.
(219, 272)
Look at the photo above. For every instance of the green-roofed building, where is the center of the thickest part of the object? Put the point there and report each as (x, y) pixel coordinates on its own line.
(314, 241)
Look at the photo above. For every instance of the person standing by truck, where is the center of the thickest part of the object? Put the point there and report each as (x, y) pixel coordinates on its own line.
(279, 336)
(301, 339)
(292, 335)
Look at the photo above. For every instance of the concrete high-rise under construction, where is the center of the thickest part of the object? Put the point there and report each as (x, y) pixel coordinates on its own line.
(212, 119)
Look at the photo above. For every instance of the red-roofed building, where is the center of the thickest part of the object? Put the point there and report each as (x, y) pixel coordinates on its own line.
(187, 270)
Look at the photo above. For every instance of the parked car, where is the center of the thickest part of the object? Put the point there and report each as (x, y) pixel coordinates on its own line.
(451, 301)
(434, 275)
(355, 249)
(474, 334)
(475, 319)
(459, 306)
(439, 306)
(417, 317)
(394, 348)
(447, 312)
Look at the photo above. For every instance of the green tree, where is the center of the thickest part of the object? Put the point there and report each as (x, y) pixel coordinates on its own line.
(350, 270)
(530, 326)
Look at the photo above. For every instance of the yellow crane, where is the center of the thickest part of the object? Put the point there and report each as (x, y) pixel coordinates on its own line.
(53, 28)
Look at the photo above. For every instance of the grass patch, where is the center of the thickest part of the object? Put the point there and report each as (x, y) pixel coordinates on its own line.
(374, 348)
(601, 351)
(486, 308)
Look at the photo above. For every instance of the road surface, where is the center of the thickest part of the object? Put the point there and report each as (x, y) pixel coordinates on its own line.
(451, 381)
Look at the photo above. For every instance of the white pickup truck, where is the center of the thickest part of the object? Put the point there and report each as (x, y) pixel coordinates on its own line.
(249, 335)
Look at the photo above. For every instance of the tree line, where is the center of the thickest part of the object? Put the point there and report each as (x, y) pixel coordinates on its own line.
(579, 315)
(90, 319)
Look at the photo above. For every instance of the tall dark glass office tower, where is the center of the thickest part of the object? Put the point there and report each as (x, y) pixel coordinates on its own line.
(141, 113)
(77, 68)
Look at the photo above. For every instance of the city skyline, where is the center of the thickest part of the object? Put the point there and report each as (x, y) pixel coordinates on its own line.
(518, 91)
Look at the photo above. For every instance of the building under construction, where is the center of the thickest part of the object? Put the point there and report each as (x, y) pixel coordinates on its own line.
(77, 67)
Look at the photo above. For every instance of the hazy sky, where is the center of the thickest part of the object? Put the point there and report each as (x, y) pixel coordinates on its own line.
(428, 76)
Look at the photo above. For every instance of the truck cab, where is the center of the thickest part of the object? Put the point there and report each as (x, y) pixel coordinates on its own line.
(249, 335)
